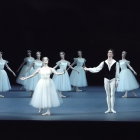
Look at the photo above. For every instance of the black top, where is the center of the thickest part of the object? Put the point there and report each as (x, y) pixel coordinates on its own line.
(109, 74)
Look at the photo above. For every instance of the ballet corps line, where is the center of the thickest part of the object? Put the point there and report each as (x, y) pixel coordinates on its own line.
(35, 74)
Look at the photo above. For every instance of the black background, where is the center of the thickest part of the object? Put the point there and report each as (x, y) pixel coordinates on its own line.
(51, 26)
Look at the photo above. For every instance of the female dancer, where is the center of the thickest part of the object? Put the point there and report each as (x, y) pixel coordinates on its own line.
(111, 74)
(127, 80)
(25, 66)
(35, 65)
(78, 80)
(45, 95)
(4, 80)
(62, 82)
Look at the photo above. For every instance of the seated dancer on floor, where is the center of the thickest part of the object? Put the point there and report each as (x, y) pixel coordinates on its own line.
(111, 74)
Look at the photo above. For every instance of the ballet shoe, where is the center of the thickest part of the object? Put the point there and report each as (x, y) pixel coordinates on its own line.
(1, 96)
(124, 96)
(63, 96)
(135, 95)
(108, 111)
(113, 111)
(78, 90)
(46, 114)
(39, 110)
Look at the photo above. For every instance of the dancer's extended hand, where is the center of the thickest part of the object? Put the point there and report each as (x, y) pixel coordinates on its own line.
(22, 78)
(14, 74)
(135, 73)
(85, 68)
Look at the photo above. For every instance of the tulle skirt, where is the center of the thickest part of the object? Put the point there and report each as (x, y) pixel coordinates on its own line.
(45, 95)
(33, 82)
(78, 79)
(62, 82)
(127, 81)
(22, 74)
(28, 82)
(4, 81)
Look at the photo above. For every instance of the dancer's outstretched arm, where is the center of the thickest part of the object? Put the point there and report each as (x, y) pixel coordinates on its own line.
(57, 64)
(10, 69)
(84, 65)
(129, 66)
(70, 66)
(57, 73)
(21, 65)
(30, 76)
(95, 69)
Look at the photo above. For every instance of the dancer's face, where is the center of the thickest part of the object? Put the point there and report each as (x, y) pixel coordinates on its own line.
(80, 53)
(62, 55)
(28, 53)
(110, 53)
(123, 54)
(45, 60)
(38, 55)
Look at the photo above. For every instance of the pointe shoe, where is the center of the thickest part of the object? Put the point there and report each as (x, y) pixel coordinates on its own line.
(39, 110)
(135, 95)
(47, 113)
(78, 90)
(124, 96)
(63, 96)
(113, 111)
(21, 88)
(108, 111)
(1, 96)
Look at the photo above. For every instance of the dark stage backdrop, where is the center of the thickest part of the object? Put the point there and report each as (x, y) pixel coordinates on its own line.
(51, 26)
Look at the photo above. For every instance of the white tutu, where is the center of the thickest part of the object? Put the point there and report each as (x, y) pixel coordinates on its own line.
(62, 82)
(33, 82)
(78, 79)
(45, 94)
(4, 81)
(127, 81)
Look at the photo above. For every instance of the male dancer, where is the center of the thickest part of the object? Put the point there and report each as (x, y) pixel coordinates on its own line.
(111, 74)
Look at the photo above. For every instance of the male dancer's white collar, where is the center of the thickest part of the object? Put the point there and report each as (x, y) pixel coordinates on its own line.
(113, 61)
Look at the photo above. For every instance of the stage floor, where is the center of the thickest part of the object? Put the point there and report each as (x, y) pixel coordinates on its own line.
(88, 105)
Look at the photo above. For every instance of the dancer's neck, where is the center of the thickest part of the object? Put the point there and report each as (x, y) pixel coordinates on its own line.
(110, 58)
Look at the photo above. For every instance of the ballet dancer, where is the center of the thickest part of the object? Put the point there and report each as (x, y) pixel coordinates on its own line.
(62, 82)
(24, 68)
(127, 81)
(4, 80)
(78, 80)
(111, 72)
(35, 65)
(45, 95)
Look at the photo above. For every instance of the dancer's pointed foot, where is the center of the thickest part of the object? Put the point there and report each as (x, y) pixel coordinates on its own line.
(63, 96)
(78, 90)
(135, 95)
(40, 110)
(108, 111)
(46, 113)
(113, 111)
(1, 96)
(124, 96)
